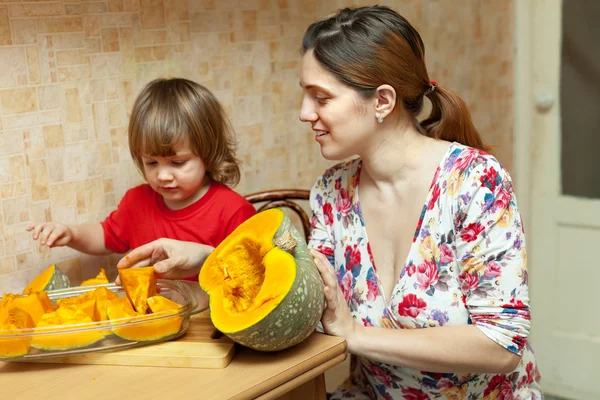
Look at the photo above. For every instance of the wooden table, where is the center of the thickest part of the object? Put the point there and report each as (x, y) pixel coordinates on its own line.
(292, 374)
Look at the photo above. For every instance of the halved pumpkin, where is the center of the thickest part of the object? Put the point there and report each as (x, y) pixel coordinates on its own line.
(58, 339)
(15, 319)
(139, 284)
(265, 290)
(50, 279)
(98, 280)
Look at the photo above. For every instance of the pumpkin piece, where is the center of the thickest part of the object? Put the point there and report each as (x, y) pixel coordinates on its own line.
(5, 304)
(15, 319)
(121, 311)
(85, 302)
(103, 301)
(265, 290)
(52, 278)
(161, 303)
(139, 284)
(35, 304)
(98, 280)
(61, 319)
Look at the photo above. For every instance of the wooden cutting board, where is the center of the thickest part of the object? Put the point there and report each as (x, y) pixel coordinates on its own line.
(202, 347)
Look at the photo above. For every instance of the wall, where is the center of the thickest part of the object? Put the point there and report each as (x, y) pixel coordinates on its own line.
(71, 69)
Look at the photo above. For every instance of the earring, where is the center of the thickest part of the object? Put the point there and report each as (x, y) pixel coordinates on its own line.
(380, 119)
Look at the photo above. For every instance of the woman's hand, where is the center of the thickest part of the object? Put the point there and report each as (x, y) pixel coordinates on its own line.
(336, 318)
(173, 259)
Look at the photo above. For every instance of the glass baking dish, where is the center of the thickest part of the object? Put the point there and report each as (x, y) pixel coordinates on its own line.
(192, 299)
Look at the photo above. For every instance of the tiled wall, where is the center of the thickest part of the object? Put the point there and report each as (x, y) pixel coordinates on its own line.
(70, 70)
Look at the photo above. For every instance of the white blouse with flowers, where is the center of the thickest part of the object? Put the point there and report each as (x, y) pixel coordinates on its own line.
(467, 265)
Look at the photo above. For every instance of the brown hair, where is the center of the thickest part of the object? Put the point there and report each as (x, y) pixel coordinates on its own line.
(169, 111)
(367, 47)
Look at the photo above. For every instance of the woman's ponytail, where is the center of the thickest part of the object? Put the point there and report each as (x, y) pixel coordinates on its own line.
(450, 119)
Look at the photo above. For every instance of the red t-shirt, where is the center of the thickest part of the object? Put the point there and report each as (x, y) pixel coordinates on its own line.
(142, 217)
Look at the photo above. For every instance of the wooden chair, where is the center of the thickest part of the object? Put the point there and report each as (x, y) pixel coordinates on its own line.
(283, 198)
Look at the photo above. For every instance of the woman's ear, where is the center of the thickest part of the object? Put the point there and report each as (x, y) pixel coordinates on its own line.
(385, 101)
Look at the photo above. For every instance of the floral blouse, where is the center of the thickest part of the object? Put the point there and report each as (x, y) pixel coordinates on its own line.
(467, 265)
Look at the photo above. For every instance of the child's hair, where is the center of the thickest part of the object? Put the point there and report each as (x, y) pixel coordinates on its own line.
(171, 111)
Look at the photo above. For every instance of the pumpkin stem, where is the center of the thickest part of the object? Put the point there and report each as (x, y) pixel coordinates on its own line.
(286, 242)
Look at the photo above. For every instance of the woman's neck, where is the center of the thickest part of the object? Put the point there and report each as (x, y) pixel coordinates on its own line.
(396, 157)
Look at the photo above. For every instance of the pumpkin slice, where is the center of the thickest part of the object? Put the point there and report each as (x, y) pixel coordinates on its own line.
(265, 290)
(35, 304)
(121, 312)
(59, 340)
(139, 284)
(52, 278)
(103, 301)
(85, 302)
(15, 319)
(98, 280)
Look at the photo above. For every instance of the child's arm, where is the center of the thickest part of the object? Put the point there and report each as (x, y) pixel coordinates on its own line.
(87, 238)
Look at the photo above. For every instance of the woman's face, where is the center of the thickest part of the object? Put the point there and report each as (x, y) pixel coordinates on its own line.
(341, 119)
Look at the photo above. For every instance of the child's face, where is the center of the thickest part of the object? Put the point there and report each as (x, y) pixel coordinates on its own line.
(179, 179)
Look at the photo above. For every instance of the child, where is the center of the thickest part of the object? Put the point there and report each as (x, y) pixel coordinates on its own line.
(181, 141)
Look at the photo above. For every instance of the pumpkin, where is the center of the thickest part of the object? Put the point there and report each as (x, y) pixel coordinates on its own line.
(265, 290)
(85, 302)
(15, 319)
(59, 340)
(120, 311)
(98, 280)
(35, 304)
(52, 278)
(103, 301)
(139, 284)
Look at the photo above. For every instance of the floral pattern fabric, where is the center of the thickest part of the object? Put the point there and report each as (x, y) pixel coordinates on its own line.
(467, 265)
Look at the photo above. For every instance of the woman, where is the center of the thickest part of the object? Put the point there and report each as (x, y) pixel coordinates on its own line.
(425, 273)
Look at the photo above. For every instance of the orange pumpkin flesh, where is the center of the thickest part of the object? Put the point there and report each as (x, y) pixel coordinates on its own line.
(98, 280)
(15, 319)
(139, 284)
(61, 319)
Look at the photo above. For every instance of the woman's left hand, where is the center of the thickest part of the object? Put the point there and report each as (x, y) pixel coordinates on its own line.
(336, 318)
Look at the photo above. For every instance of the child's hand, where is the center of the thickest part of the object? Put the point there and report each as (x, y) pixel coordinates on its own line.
(51, 234)
(173, 259)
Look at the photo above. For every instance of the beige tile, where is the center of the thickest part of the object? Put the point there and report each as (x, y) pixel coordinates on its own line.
(48, 96)
(131, 5)
(16, 210)
(70, 57)
(7, 265)
(5, 39)
(73, 106)
(73, 73)
(110, 39)
(18, 100)
(73, 9)
(153, 53)
(39, 180)
(94, 7)
(16, 189)
(116, 6)
(35, 10)
(53, 136)
(24, 31)
(63, 194)
(91, 25)
(152, 14)
(17, 168)
(63, 24)
(40, 212)
(154, 37)
(93, 45)
(68, 41)
(115, 113)
(13, 63)
(33, 63)
(75, 163)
